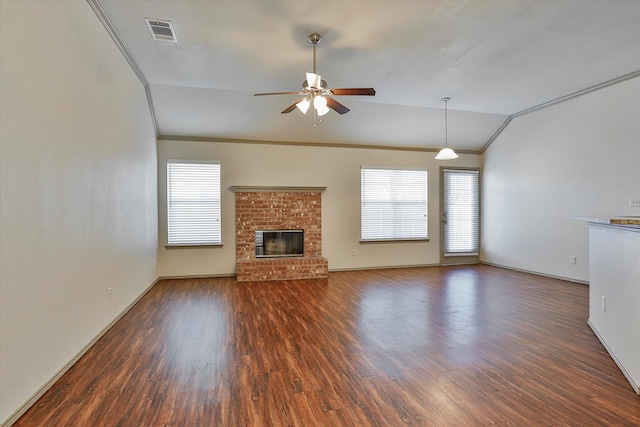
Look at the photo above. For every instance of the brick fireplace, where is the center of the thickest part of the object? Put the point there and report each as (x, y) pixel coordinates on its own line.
(279, 208)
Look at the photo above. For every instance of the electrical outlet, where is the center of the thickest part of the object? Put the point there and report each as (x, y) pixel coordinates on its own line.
(572, 260)
(109, 293)
(634, 203)
(353, 252)
(153, 261)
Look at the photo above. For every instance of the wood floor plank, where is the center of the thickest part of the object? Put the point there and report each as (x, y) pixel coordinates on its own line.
(436, 346)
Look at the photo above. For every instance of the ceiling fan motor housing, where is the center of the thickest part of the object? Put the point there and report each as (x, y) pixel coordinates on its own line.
(323, 85)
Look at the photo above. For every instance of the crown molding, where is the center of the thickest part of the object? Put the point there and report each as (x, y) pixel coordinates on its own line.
(106, 22)
(307, 144)
(556, 101)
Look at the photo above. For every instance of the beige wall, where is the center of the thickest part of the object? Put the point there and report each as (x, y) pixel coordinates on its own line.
(338, 169)
(579, 158)
(78, 190)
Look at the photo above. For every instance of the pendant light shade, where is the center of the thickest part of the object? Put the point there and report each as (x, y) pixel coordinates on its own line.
(446, 153)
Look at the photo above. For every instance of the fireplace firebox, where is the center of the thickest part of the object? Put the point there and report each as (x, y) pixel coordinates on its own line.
(279, 243)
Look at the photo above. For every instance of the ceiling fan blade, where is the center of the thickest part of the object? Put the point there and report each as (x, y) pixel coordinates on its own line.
(335, 105)
(368, 91)
(291, 107)
(278, 93)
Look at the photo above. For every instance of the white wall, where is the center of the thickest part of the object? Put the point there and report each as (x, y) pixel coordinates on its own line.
(577, 158)
(338, 169)
(78, 190)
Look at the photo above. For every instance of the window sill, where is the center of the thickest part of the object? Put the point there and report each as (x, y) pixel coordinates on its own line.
(461, 254)
(394, 241)
(219, 245)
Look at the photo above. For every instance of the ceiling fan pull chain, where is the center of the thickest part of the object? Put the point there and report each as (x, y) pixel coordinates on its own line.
(313, 98)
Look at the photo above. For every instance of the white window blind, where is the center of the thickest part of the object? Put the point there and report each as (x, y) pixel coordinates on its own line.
(393, 204)
(193, 203)
(461, 208)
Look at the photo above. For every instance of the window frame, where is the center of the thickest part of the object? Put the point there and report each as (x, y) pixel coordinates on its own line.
(201, 242)
(474, 252)
(425, 208)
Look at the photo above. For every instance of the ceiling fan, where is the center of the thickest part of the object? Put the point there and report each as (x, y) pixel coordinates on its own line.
(315, 91)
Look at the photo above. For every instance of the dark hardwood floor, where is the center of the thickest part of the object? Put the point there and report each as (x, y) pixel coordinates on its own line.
(437, 346)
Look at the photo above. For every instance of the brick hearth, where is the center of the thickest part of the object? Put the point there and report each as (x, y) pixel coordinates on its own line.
(279, 208)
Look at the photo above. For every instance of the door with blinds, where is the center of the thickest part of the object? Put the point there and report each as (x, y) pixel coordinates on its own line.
(460, 215)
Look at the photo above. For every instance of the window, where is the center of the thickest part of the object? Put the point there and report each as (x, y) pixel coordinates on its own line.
(193, 203)
(461, 206)
(393, 204)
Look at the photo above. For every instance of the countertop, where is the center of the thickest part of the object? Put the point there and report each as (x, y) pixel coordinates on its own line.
(624, 221)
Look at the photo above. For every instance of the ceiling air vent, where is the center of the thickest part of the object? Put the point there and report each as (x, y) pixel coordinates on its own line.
(161, 30)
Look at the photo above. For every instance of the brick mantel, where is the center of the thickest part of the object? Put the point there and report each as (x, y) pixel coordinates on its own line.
(279, 208)
(275, 189)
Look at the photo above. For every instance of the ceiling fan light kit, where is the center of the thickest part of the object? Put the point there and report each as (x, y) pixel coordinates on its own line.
(320, 104)
(303, 105)
(315, 91)
(446, 153)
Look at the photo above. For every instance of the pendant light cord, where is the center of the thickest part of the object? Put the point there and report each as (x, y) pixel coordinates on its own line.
(446, 153)
(446, 122)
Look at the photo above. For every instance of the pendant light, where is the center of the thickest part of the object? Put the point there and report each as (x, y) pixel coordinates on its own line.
(446, 153)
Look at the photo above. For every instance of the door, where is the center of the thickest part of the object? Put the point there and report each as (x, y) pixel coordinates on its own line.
(460, 212)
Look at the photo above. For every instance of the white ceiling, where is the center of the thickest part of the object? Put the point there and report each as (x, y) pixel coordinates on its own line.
(493, 58)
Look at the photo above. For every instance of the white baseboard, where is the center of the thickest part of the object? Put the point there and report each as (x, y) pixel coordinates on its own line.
(537, 273)
(384, 267)
(197, 276)
(46, 386)
(634, 384)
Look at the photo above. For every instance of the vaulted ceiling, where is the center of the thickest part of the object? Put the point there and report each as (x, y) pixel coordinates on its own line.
(494, 59)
